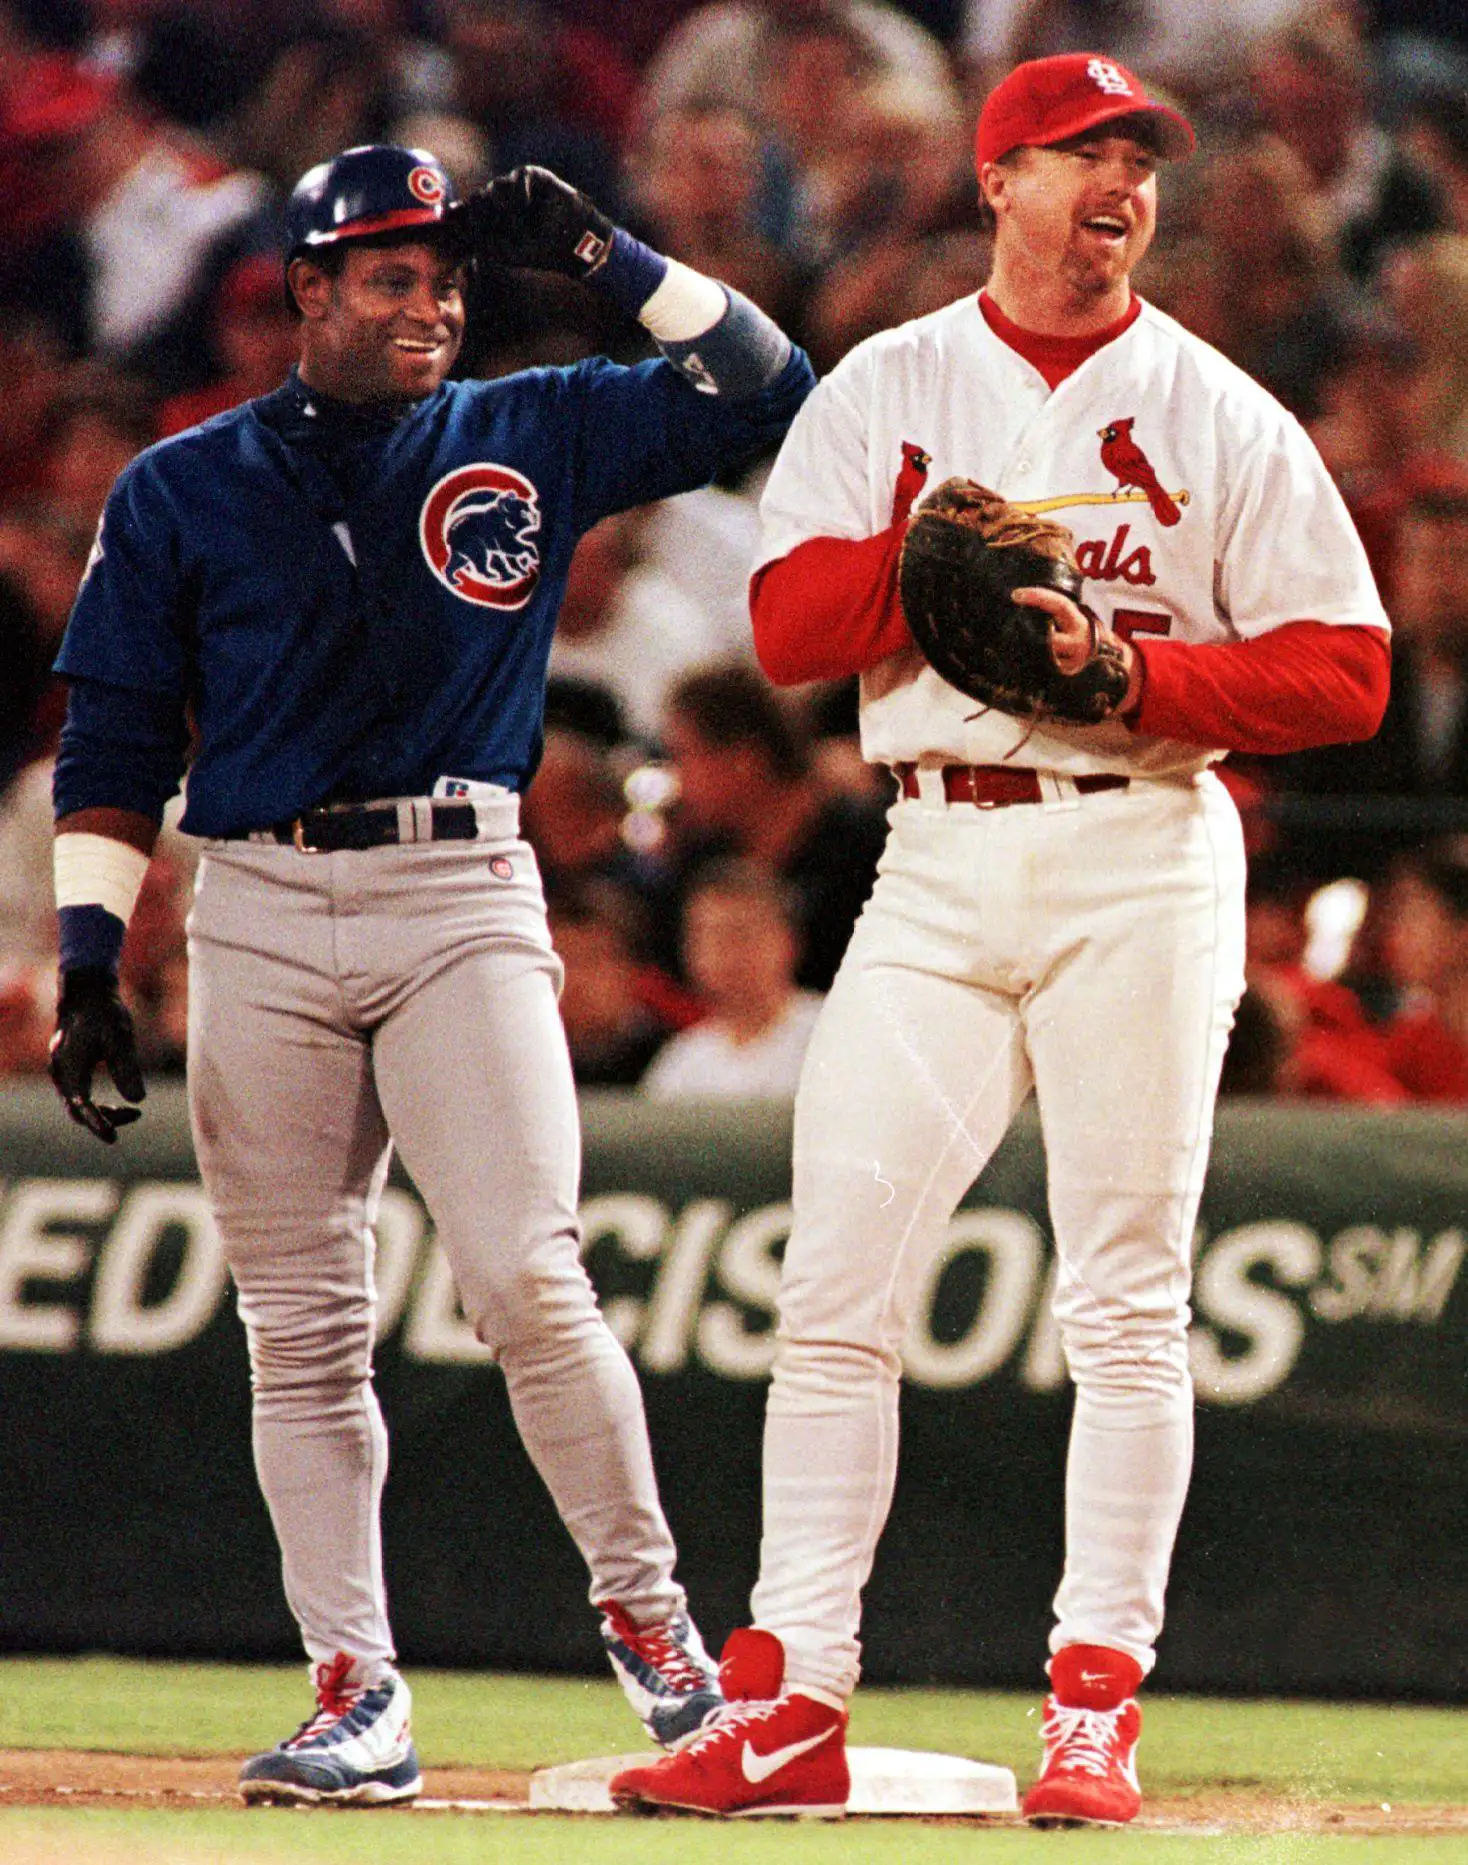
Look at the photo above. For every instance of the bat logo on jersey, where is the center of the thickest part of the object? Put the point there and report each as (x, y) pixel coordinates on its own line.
(478, 531)
(1121, 456)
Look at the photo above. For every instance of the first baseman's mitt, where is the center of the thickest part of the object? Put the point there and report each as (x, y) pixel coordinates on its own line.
(966, 551)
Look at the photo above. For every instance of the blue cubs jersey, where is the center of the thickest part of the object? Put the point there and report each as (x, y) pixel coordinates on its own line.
(346, 603)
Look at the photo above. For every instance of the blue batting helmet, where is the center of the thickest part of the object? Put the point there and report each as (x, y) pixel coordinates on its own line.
(376, 188)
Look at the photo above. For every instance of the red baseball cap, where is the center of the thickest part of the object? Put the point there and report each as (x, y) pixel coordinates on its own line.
(1048, 100)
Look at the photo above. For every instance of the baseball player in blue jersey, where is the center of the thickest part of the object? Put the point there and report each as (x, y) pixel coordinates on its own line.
(339, 599)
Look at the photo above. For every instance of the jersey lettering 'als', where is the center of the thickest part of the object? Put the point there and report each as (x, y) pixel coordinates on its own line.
(479, 532)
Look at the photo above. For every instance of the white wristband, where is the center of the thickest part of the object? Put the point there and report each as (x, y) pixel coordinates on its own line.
(684, 306)
(98, 871)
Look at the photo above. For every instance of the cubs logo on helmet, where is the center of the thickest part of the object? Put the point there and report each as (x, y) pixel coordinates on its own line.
(479, 531)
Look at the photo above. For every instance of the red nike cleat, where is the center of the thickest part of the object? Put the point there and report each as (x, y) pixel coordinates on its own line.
(1091, 1730)
(760, 1756)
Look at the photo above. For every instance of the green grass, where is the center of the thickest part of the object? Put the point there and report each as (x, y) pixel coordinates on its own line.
(1311, 1752)
(1358, 1752)
(88, 1837)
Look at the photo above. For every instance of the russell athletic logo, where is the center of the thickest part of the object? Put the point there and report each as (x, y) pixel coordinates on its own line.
(478, 530)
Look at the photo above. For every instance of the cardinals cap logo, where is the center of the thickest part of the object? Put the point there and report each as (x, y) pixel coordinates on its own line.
(479, 532)
(1122, 457)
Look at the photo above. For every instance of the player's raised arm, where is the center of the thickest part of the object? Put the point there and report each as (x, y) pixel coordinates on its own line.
(713, 335)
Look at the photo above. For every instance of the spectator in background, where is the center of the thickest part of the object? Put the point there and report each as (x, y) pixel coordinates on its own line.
(1421, 748)
(26, 662)
(1426, 285)
(27, 1011)
(1193, 47)
(94, 423)
(573, 811)
(1304, 1035)
(617, 1010)
(325, 86)
(43, 556)
(461, 146)
(748, 785)
(253, 341)
(627, 625)
(740, 953)
(1364, 430)
(720, 51)
(704, 542)
(698, 189)
(98, 423)
(903, 273)
(1426, 939)
(1435, 137)
(816, 70)
(541, 88)
(1260, 278)
(33, 374)
(150, 217)
(1310, 83)
(27, 901)
(869, 152)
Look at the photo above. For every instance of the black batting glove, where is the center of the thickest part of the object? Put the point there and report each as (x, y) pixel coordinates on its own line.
(531, 217)
(93, 1026)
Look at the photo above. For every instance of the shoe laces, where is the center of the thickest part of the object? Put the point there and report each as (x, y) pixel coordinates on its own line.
(1081, 1741)
(732, 1722)
(659, 1644)
(335, 1698)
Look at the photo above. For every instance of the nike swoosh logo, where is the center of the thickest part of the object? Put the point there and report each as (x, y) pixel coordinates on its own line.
(759, 1768)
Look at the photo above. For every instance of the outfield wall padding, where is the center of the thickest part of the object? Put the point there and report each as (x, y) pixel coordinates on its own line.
(1324, 1549)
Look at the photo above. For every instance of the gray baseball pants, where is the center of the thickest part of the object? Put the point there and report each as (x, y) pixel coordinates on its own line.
(340, 1003)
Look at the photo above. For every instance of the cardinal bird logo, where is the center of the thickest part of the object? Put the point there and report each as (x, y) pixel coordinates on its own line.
(1121, 455)
(910, 480)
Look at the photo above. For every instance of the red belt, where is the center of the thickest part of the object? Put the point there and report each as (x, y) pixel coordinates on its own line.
(996, 786)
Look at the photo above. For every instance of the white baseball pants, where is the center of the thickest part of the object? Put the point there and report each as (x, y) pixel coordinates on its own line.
(337, 999)
(1093, 950)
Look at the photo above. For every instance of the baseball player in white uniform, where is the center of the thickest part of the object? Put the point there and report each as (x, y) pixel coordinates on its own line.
(1058, 909)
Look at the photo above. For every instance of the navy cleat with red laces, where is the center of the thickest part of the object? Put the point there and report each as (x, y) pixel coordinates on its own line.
(357, 1750)
(669, 1679)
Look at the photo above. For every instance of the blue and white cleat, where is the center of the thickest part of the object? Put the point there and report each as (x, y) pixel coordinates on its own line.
(670, 1680)
(357, 1750)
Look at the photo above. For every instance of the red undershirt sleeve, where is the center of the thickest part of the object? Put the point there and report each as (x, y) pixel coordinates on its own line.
(1299, 685)
(829, 608)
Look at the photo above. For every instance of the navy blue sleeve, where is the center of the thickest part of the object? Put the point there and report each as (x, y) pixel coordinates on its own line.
(120, 749)
(646, 432)
(128, 624)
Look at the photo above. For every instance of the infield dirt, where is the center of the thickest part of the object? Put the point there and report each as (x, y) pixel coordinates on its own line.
(66, 1777)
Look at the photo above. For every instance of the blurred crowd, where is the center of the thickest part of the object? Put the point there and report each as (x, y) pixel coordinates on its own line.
(707, 842)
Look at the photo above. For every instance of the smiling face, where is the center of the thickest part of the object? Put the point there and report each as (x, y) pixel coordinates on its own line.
(386, 327)
(1072, 222)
